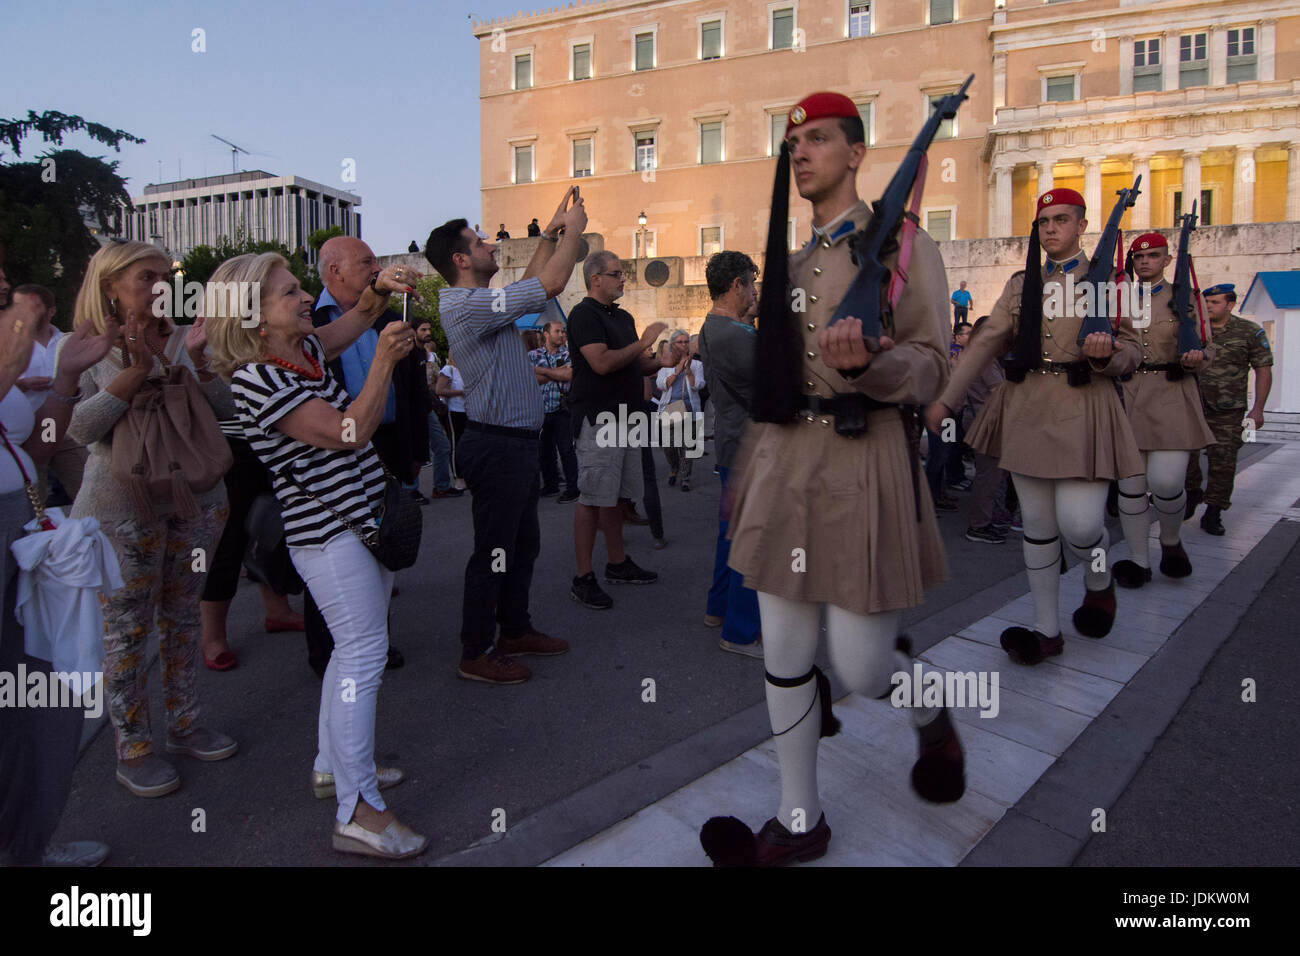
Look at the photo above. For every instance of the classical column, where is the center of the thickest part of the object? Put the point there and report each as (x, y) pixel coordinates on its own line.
(1001, 225)
(1192, 180)
(1169, 60)
(1243, 185)
(1092, 193)
(1045, 175)
(1140, 218)
(1293, 183)
(1125, 65)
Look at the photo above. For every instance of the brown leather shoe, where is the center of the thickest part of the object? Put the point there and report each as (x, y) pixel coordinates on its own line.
(494, 668)
(777, 846)
(1026, 646)
(532, 642)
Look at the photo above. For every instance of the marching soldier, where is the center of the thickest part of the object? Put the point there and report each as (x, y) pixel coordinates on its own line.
(1056, 424)
(1241, 345)
(1164, 408)
(829, 512)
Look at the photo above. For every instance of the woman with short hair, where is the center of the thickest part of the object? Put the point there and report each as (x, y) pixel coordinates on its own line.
(680, 381)
(315, 442)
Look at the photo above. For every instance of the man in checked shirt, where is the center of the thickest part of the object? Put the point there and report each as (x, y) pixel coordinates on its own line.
(554, 373)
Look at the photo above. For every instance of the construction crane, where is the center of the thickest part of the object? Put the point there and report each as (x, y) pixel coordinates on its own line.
(234, 152)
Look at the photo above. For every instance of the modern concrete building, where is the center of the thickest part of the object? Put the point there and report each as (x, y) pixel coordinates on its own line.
(674, 108)
(181, 215)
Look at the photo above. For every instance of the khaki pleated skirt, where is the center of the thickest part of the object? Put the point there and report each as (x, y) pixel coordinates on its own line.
(1165, 415)
(1045, 428)
(818, 517)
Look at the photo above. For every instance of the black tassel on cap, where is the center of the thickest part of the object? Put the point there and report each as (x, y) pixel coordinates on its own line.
(779, 359)
(1029, 328)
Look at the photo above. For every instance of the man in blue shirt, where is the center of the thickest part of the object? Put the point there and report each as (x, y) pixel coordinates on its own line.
(961, 300)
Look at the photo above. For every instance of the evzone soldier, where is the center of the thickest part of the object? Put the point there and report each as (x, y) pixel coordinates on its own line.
(1240, 345)
(1056, 424)
(827, 522)
(1164, 409)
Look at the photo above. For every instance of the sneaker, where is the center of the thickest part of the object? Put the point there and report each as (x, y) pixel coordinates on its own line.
(449, 493)
(532, 642)
(588, 593)
(987, 534)
(493, 668)
(418, 498)
(752, 649)
(570, 495)
(459, 484)
(963, 485)
(946, 503)
(686, 484)
(550, 491)
(658, 544)
(713, 620)
(152, 777)
(203, 744)
(1017, 525)
(628, 573)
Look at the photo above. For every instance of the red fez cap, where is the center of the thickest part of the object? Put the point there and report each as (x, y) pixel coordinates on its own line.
(820, 106)
(1059, 197)
(1148, 240)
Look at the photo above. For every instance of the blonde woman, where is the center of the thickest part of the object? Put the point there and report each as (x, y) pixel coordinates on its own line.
(315, 443)
(680, 381)
(157, 553)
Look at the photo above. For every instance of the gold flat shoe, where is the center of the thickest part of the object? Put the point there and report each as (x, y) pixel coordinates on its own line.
(397, 842)
(322, 784)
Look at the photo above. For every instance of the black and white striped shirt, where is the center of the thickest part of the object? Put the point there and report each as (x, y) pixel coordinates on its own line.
(349, 481)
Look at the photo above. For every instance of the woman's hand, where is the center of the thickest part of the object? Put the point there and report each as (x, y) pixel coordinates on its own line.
(395, 341)
(196, 342)
(81, 349)
(18, 324)
(137, 348)
(399, 279)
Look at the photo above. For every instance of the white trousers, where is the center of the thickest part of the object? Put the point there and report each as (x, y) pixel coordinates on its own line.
(352, 590)
(1166, 472)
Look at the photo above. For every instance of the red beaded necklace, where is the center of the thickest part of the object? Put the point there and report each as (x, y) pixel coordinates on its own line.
(314, 374)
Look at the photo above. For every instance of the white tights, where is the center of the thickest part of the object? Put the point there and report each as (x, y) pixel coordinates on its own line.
(862, 651)
(1051, 509)
(1166, 472)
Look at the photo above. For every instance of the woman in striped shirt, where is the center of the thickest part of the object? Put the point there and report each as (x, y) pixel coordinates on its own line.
(328, 479)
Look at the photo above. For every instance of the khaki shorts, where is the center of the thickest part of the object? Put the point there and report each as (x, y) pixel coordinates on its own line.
(606, 474)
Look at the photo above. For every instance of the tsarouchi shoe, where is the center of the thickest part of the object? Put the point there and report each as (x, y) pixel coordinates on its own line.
(1096, 615)
(322, 784)
(1130, 574)
(397, 842)
(777, 846)
(1174, 562)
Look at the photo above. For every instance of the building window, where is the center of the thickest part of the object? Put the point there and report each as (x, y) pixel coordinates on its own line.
(710, 240)
(524, 164)
(645, 150)
(948, 127)
(582, 61)
(859, 19)
(645, 51)
(711, 40)
(1146, 66)
(866, 113)
(938, 223)
(649, 243)
(1059, 89)
(581, 157)
(1242, 61)
(711, 142)
(942, 11)
(1204, 212)
(781, 33)
(776, 131)
(1193, 66)
(523, 71)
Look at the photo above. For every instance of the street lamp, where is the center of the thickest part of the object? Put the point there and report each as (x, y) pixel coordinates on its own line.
(641, 222)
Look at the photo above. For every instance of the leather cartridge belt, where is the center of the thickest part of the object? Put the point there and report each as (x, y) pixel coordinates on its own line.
(849, 409)
(1077, 373)
(1174, 371)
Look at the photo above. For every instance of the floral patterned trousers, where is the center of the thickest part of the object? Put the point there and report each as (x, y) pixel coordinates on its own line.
(164, 565)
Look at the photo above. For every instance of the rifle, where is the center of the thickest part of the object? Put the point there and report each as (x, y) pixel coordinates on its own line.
(1189, 336)
(866, 298)
(1100, 267)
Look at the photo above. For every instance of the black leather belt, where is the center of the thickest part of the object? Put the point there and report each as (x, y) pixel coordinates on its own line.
(848, 408)
(1077, 373)
(1174, 371)
(528, 433)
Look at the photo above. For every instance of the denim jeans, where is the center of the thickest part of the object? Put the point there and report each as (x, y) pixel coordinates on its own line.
(728, 597)
(440, 454)
(352, 590)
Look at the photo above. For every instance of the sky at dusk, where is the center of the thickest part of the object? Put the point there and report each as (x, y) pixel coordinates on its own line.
(392, 85)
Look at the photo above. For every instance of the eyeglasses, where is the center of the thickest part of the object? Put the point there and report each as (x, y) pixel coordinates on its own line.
(612, 275)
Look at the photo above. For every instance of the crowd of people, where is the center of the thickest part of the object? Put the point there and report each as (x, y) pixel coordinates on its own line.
(277, 439)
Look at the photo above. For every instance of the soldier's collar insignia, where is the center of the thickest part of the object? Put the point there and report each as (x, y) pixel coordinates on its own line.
(1157, 287)
(1053, 265)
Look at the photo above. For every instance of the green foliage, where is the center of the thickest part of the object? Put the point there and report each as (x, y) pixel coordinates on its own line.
(201, 261)
(319, 237)
(427, 310)
(44, 204)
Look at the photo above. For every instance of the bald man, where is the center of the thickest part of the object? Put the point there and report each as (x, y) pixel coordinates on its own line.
(346, 267)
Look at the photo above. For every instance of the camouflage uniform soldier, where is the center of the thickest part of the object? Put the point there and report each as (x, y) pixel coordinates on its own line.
(1242, 345)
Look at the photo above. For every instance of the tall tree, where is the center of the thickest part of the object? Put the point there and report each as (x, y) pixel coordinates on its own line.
(44, 203)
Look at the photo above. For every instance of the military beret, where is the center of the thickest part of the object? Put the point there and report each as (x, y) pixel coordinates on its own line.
(1223, 288)
(1149, 240)
(1059, 197)
(821, 106)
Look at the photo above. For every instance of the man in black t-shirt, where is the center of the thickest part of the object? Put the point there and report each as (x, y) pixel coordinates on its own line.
(609, 363)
